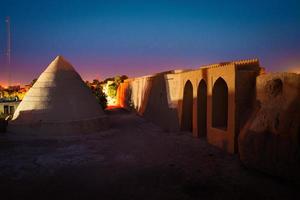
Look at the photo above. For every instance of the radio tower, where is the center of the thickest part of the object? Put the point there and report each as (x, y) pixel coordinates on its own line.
(8, 50)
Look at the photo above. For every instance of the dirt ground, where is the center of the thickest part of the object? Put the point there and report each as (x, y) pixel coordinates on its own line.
(133, 160)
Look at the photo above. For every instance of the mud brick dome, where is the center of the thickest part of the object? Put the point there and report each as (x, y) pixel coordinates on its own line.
(59, 102)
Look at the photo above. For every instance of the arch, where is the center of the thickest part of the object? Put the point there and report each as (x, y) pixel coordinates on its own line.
(220, 104)
(187, 108)
(202, 108)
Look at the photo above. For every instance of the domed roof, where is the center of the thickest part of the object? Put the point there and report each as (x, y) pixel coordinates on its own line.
(59, 95)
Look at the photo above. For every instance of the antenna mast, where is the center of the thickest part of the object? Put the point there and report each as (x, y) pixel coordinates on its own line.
(8, 49)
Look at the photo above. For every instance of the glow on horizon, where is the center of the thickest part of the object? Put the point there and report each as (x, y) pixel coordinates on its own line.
(107, 38)
(295, 69)
(90, 75)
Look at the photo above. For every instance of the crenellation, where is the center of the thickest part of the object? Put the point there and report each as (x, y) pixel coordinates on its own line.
(173, 91)
(230, 94)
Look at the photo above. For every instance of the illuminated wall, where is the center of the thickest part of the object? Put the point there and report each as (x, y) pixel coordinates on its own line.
(159, 98)
(8, 108)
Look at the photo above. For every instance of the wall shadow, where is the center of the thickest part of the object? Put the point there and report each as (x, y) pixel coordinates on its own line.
(187, 108)
(153, 105)
(202, 108)
(220, 104)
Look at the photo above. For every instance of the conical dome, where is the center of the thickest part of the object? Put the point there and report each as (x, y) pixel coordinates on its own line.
(59, 97)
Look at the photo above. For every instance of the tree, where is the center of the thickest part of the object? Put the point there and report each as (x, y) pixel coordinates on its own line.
(124, 77)
(88, 83)
(100, 96)
(108, 79)
(96, 82)
(33, 82)
(98, 93)
(112, 90)
(110, 85)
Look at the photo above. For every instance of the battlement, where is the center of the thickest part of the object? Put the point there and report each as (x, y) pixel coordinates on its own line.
(168, 99)
(247, 62)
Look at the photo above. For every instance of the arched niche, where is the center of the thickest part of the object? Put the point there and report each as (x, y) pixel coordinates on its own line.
(202, 108)
(220, 104)
(187, 108)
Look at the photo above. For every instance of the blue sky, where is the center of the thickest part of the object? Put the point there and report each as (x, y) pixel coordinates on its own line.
(105, 38)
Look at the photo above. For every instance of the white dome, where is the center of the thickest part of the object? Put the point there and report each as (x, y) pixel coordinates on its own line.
(59, 96)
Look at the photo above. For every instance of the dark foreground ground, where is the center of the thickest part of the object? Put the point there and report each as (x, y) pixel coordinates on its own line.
(133, 160)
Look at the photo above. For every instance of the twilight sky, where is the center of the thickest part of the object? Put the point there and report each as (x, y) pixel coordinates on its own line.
(108, 37)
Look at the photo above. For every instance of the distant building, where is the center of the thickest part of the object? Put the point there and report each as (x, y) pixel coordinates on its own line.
(8, 108)
(14, 87)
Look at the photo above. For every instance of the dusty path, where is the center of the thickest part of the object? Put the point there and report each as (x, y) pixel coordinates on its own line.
(133, 160)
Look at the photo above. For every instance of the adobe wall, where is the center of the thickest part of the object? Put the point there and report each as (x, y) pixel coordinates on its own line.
(219, 137)
(270, 140)
(149, 96)
(245, 96)
(159, 98)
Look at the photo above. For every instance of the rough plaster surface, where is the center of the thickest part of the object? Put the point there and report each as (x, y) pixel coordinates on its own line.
(133, 160)
(270, 141)
(58, 97)
(160, 98)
